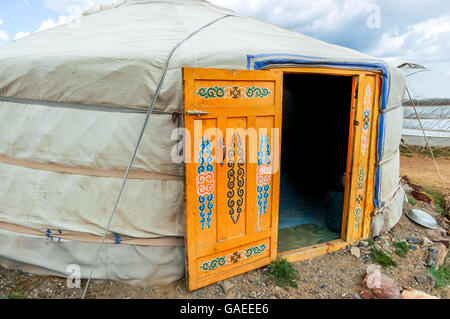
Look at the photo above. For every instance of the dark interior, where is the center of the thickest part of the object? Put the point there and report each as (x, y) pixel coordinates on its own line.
(315, 129)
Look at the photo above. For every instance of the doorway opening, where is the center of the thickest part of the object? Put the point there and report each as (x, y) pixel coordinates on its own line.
(315, 135)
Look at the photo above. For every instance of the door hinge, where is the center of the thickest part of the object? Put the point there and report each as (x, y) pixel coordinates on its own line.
(356, 93)
(355, 123)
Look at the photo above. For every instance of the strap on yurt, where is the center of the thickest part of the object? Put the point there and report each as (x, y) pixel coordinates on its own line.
(113, 173)
(59, 235)
(147, 117)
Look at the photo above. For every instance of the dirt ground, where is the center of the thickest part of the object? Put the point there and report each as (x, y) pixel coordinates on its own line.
(421, 169)
(336, 275)
(318, 280)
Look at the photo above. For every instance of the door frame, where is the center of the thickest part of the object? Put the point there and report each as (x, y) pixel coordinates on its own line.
(348, 236)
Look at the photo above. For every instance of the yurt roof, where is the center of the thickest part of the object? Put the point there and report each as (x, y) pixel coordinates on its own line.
(113, 54)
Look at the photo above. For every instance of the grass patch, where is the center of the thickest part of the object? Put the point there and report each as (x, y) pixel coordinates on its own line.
(283, 273)
(410, 151)
(441, 276)
(382, 258)
(438, 198)
(441, 152)
(406, 151)
(17, 295)
(412, 201)
(401, 249)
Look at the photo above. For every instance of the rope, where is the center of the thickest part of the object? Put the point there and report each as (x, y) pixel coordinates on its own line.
(387, 203)
(428, 144)
(147, 117)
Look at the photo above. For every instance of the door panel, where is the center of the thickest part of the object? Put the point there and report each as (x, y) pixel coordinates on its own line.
(232, 181)
(362, 166)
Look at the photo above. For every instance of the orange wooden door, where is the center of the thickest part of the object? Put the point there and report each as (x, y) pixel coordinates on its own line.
(362, 166)
(232, 154)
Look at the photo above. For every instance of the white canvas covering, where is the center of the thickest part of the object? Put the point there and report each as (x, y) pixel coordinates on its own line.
(71, 107)
(430, 93)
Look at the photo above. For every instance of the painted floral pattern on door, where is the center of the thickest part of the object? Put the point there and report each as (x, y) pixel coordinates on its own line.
(359, 197)
(366, 120)
(263, 174)
(236, 181)
(205, 183)
(233, 257)
(233, 92)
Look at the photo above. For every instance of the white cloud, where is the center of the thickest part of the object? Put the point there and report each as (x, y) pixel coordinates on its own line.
(427, 43)
(50, 23)
(72, 9)
(3, 35)
(63, 6)
(46, 24)
(20, 35)
(412, 30)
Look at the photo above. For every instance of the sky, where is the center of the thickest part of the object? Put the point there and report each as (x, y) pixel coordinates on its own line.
(397, 30)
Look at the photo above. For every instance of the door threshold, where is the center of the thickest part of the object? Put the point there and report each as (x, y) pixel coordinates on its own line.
(314, 250)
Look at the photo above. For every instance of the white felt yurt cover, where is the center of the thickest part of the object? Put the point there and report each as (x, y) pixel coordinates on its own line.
(74, 97)
(430, 95)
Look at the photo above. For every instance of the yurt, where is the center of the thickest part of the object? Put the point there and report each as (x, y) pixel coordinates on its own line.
(150, 139)
(428, 99)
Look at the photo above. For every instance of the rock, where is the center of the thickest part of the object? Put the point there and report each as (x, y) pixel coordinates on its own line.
(230, 295)
(425, 279)
(227, 285)
(364, 243)
(365, 258)
(413, 240)
(436, 256)
(421, 197)
(408, 189)
(442, 232)
(381, 286)
(385, 245)
(421, 279)
(417, 188)
(366, 295)
(442, 253)
(426, 242)
(444, 241)
(253, 295)
(409, 293)
(355, 252)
